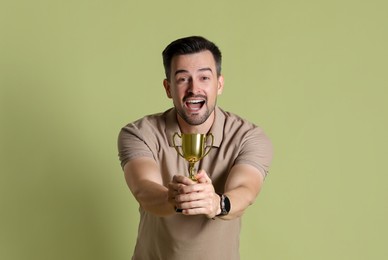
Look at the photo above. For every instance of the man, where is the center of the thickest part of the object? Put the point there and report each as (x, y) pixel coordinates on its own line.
(181, 218)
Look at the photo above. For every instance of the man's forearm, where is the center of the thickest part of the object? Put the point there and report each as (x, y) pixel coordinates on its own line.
(145, 182)
(240, 199)
(153, 198)
(242, 187)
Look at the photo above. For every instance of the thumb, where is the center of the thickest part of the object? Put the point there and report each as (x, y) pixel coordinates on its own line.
(202, 177)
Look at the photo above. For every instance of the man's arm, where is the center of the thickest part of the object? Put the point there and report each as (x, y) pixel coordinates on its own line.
(145, 182)
(242, 187)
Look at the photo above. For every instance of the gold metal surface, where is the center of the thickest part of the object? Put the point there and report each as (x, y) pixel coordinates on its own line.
(193, 149)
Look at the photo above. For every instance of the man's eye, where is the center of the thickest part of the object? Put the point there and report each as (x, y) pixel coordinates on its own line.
(182, 80)
(205, 78)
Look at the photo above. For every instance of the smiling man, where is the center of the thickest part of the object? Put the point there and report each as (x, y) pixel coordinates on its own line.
(194, 86)
(207, 224)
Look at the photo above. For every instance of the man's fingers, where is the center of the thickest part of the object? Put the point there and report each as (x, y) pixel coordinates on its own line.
(202, 177)
(182, 179)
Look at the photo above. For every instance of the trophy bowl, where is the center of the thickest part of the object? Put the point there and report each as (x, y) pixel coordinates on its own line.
(193, 149)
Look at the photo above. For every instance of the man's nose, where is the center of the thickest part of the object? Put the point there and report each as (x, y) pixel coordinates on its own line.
(193, 86)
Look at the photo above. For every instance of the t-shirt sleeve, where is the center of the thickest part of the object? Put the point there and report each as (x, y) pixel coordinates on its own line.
(131, 144)
(256, 150)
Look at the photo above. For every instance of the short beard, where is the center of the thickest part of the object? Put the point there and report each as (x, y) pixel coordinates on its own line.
(195, 119)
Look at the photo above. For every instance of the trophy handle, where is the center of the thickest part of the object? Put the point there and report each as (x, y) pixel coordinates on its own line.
(211, 146)
(173, 142)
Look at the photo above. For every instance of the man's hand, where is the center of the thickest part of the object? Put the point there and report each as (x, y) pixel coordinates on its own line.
(194, 198)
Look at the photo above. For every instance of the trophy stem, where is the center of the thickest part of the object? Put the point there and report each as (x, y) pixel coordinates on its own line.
(191, 171)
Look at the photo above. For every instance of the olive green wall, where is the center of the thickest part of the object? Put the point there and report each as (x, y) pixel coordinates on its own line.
(313, 74)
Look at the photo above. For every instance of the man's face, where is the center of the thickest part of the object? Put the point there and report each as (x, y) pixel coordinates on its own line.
(194, 86)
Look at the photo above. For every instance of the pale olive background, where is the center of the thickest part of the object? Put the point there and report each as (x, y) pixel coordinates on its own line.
(313, 74)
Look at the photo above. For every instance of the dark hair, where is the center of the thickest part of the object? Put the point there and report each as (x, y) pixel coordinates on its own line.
(189, 45)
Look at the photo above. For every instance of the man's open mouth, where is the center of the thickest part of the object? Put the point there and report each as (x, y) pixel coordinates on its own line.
(194, 104)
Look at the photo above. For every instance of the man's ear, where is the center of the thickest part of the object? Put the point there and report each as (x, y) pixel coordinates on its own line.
(166, 85)
(220, 85)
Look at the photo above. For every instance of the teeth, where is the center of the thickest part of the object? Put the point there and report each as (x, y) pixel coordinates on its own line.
(194, 101)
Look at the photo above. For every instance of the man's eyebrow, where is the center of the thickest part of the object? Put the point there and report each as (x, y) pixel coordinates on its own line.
(186, 71)
(206, 69)
(180, 71)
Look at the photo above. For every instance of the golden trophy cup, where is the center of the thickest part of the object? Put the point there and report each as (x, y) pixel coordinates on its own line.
(193, 149)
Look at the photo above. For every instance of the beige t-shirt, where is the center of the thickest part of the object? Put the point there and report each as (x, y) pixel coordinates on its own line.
(236, 141)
